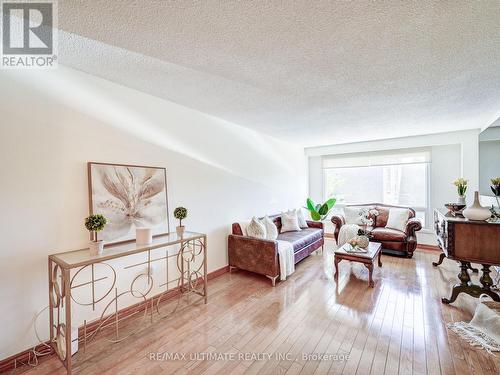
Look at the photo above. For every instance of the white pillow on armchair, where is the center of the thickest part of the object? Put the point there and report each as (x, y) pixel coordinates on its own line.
(398, 217)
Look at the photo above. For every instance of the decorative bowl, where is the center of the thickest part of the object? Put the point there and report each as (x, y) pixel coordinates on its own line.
(455, 207)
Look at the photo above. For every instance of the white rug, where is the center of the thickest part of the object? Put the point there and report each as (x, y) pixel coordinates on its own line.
(484, 328)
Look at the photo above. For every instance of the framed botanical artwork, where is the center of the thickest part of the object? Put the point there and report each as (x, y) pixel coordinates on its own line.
(129, 196)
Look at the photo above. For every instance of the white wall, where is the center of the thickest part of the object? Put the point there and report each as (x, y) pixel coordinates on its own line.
(53, 123)
(453, 154)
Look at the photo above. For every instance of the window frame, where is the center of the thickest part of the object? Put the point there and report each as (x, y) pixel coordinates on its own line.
(426, 210)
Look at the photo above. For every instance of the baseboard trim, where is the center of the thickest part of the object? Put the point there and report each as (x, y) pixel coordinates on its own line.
(19, 359)
(428, 247)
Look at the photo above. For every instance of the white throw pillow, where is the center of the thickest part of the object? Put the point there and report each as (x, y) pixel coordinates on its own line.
(398, 217)
(352, 215)
(271, 228)
(256, 229)
(301, 218)
(289, 222)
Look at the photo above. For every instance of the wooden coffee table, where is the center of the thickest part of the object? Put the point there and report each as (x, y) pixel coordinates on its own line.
(368, 258)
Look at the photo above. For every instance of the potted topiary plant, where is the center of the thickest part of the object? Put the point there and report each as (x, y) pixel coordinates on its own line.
(94, 224)
(180, 213)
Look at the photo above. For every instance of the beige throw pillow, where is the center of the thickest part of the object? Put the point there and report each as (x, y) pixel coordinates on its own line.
(271, 229)
(256, 229)
(398, 217)
(302, 219)
(289, 222)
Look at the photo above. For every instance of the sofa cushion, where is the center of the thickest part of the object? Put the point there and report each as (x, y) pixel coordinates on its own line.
(301, 239)
(387, 234)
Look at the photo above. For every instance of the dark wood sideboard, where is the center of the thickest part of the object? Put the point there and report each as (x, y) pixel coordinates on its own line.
(467, 242)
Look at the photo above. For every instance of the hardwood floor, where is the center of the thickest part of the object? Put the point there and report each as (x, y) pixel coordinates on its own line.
(397, 327)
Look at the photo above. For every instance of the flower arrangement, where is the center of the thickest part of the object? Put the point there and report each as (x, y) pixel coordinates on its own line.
(495, 188)
(94, 224)
(461, 184)
(366, 220)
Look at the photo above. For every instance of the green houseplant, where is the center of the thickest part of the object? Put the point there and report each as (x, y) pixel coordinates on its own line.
(319, 211)
(95, 223)
(180, 213)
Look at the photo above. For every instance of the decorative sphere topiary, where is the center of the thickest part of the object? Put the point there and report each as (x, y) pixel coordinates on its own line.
(95, 223)
(180, 213)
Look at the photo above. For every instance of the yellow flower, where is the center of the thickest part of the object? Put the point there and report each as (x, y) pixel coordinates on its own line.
(495, 181)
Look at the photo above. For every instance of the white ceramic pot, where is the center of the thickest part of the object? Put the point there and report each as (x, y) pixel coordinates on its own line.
(476, 211)
(143, 236)
(96, 247)
(180, 230)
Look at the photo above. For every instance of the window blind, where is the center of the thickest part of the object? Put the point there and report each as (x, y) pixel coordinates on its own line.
(377, 158)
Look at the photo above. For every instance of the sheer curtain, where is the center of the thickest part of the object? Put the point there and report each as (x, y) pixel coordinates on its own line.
(397, 177)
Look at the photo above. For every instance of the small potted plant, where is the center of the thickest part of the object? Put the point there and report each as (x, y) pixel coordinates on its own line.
(94, 224)
(461, 184)
(180, 213)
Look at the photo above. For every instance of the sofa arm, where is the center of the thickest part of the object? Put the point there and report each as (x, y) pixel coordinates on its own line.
(315, 224)
(253, 254)
(338, 221)
(413, 225)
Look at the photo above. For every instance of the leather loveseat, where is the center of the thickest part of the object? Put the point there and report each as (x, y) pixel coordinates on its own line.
(393, 241)
(261, 256)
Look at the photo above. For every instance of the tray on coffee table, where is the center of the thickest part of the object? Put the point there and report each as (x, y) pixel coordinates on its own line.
(366, 258)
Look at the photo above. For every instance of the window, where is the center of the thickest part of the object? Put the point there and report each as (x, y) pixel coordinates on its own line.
(397, 177)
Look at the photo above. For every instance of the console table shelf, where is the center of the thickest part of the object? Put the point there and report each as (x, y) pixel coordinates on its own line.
(184, 261)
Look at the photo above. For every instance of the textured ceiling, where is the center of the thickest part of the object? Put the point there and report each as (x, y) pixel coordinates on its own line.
(310, 72)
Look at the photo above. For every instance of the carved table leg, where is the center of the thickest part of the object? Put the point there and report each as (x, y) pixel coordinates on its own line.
(441, 258)
(475, 270)
(486, 281)
(471, 289)
(464, 278)
(337, 261)
(379, 260)
(371, 284)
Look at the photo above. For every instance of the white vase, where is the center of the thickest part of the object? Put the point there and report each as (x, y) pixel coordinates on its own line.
(180, 230)
(461, 199)
(143, 236)
(96, 247)
(476, 211)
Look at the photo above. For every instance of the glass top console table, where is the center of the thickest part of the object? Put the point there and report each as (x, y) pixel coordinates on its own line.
(180, 265)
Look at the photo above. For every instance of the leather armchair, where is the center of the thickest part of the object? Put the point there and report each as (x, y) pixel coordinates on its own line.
(393, 241)
(412, 226)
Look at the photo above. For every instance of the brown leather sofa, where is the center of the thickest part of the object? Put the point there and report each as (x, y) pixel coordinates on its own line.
(261, 256)
(393, 241)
